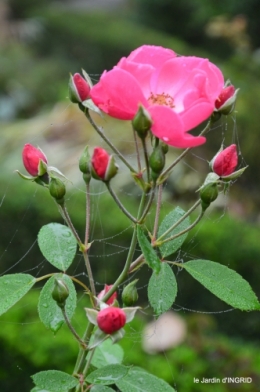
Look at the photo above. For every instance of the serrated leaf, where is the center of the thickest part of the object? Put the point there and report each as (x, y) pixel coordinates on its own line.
(162, 289)
(225, 283)
(172, 246)
(58, 245)
(54, 381)
(101, 388)
(49, 312)
(149, 253)
(107, 375)
(141, 381)
(13, 288)
(107, 353)
(36, 389)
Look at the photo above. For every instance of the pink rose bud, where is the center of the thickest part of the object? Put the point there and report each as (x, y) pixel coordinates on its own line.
(111, 320)
(32, 158)
(226, 101)
(225, 161)
(79, 88)
(102, 293)
(103, 165)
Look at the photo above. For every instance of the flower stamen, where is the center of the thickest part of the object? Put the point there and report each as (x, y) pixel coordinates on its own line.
(161, 99)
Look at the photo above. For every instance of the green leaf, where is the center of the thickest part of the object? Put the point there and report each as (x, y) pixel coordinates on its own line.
(225, 283)
(107, 375)
(36, 389)
(58, 245)
(149, 253)
(172, 246)
(49, 312)
(13, 288)
(141, 381)
(107, 353)
(101, 388)
(162, 289)
(54, 381)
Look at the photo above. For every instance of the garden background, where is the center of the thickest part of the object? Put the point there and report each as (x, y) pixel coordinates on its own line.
(40, 44)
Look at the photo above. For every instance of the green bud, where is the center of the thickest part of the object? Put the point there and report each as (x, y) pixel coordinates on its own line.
(209, 190)
(157, 160)
(84, 161)
(130, 294)
(165, 148)
(57, 190)
(60, 292)
(215, 117)
(142, 122)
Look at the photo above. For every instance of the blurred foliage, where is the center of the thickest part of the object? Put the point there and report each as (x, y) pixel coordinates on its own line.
(205, 353)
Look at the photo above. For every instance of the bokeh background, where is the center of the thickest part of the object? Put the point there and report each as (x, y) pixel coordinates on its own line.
(41, 42)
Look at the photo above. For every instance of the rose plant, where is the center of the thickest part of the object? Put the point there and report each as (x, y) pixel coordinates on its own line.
(165, 96)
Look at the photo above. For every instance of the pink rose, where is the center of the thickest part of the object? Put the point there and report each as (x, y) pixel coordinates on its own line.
(31, 159)
(111, 319)
(225, 161)
(179, 92)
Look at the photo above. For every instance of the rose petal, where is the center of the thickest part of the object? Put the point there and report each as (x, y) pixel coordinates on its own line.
(118, 94)
(168, 126)
(150, 54)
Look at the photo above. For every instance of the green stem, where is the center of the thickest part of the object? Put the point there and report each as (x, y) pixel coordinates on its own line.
(81, 356)
(65, 215)
(109, 143)
(185, 152)
(120, 205)
(146, 159)
(137, 152)
(159, 243)
(89, 271)
(158, 208)
(81, 342)
(147, 207)
(87, 214)
(195, 205)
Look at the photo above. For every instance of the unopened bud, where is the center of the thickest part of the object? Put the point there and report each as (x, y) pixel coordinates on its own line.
(85, 165)
(226, 101)
(130, 294)
(142, 122)
(209, 190)
(225, 161)
(57, 189)
(157, 161)
(60, 292)
(111, 319)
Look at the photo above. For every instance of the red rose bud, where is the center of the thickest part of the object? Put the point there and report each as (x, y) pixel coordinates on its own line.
(225, 161)
(32, 158)
(225, 103)
(102, 293)
(79, 88)
(103, 165)
(111, 320)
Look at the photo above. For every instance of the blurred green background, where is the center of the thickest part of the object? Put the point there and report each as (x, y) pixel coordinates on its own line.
(41, 43)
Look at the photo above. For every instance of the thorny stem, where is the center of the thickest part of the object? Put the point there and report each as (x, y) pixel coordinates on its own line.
(158, 208)
(109, 143)
(120, 205)
(81, 342)
(87, 213)
(89, 271)
(81, 356)
(147, 207)
(146, 159)
(185, 152)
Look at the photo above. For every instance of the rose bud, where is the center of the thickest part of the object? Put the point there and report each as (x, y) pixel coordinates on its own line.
(226, 101)
(103, 165)
(142, 122)
(60, 292)
(225, 161)
(102, 293)
(209, 190)
(57, 190)
(111, 319)
(130, 294)
(157, 161)
(32, 159)
(79, 88)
